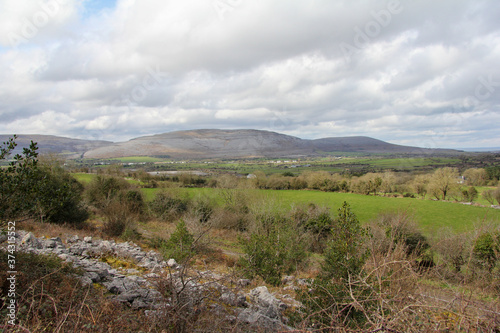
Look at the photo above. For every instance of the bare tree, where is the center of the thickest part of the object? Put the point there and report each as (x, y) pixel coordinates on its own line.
(443, 182)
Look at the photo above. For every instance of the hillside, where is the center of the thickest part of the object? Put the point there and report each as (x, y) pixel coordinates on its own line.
(214, 143)
(71, 148)
(368, 145)
(211, 143)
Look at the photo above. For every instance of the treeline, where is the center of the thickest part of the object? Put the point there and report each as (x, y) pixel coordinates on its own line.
(443, 184)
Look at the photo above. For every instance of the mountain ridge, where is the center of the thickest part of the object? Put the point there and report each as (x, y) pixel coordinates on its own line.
(70, 147)
(217, 143)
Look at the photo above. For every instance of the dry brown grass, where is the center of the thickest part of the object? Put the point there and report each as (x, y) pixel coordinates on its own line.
(90, 228)
(398, 298)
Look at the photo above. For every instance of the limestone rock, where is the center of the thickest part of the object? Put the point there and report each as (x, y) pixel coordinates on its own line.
(30, 240)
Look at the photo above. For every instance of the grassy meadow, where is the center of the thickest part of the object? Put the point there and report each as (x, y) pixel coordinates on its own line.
(432, 216)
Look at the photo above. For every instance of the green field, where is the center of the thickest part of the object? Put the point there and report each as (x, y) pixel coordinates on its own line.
(138, 159)
(333, 163)
(410, 163)
(432, 216)
(83, 178)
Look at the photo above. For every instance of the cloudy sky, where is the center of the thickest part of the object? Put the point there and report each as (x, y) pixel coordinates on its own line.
(419, 72)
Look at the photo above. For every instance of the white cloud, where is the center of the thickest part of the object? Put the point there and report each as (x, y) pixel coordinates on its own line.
(412, 72)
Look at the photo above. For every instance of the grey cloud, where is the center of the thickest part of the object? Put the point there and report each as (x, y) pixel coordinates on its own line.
(268, 64)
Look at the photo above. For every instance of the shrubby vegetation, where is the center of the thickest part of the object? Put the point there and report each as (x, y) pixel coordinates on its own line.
(117, 201)
(445, 183)
(180, 245)
(45, 191)
(273, 248)
(328, 303)
(360, 277)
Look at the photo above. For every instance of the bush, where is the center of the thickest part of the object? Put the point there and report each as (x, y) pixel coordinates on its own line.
(131, 234)
(180, 244)
(344, 255)
(190, 180)
(273, 249)
(486, 250)
(454, 249)
(120, 204)
(401, 228)
(488, 196)
(103, 189)
(470, 194)
(277, 182)
(496, 195)
(329, 300)
(118, 218)
(234, 213)
(133, 199)
(298, 183)
(167, 205)
(60, 199)
(317, 222)
(203, 208)
(29, 189)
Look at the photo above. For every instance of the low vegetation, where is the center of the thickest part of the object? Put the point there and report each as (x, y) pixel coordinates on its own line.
(366, 265)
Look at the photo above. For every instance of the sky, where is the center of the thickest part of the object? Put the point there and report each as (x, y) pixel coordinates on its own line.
(424, 73)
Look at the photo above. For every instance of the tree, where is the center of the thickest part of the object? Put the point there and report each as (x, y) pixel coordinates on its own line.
(486, 250)
(274, 249)
(343, 254)
(493, 172)
(180, 244)
(329, 300)
(476, 177)
(470, 194)
(443, 182)
(29, 189)
(17, 180)
(420, 184)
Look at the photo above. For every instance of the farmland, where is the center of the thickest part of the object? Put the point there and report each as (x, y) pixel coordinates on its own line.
(352, 162)
(427, 221)
(432, 216)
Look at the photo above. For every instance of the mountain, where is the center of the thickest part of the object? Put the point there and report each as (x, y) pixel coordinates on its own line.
(207, 144)
(214, 143)
(70, 148)
(365, 144)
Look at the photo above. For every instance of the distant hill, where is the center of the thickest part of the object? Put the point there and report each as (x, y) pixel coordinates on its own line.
(208, 144)
(366, 144)
(214, 143)
(70, 148)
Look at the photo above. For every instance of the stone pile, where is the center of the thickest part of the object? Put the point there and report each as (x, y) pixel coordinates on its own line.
(138, 286)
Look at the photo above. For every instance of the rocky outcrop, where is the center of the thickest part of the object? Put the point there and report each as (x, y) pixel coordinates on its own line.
(139, 284)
